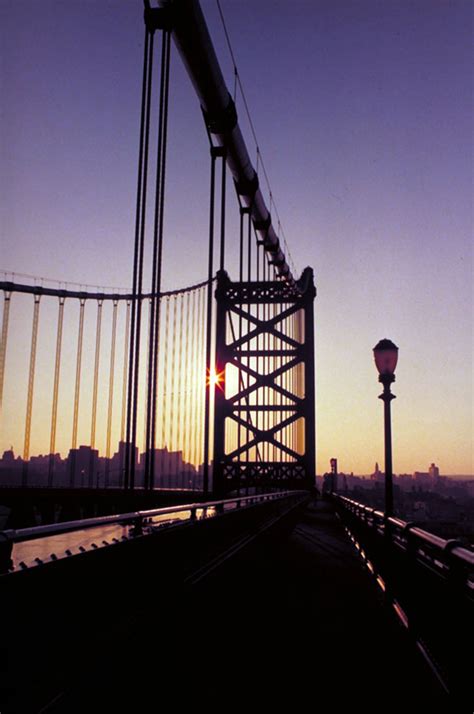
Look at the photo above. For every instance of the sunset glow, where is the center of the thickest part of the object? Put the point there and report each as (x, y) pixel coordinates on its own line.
(364, 121)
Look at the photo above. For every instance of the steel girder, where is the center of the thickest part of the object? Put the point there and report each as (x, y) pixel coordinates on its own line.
(264, 419)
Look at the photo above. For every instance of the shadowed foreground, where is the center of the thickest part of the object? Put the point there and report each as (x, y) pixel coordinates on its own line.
(294, 619)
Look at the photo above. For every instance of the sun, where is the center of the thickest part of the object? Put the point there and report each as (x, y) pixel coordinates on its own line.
(215, 378)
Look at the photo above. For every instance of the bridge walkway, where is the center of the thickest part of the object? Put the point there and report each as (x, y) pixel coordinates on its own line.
(291, 623)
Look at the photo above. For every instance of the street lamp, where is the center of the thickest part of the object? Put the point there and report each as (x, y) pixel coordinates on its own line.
(386, 357)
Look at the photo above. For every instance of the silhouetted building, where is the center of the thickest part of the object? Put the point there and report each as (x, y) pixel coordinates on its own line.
(82, 467)
(422, 480)
(405, 482)
(171, 471)
(377, 475)
(10, 469)
(115, 472)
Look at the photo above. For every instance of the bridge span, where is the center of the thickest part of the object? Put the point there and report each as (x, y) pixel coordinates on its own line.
(253, 601)
(244, 591)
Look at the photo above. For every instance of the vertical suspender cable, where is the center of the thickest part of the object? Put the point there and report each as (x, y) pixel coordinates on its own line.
(258, 448)
(31, 384)
(192, 380)
(179, 379)
(286, 386)
(172, 376)
(196, 378)
(138, 263)
(267, 360)
(264, 359)
(111, 392)
(139, 287)
(95, 389)
(3, 343)
(279, 359)
(249, 243)
(122, 463)
(269, 363)
(295, 382)
(281, 381)
(297, 379)
(248, 435)
(128, 450)
(200, 384)
(166, 72)
(223, 199)
(160, 382)
(291, 387)
(259, 340)
(273, 393)
(125, 373)
(302, 385)
(258, 265)
(166, 386)
(150, 441)
(54, 410)
(176, 377)
(284, 383)
(77, 391)
(203, 374)
(240, 377)
(149, 393)
(207, 405)
(148, 377)
(187, 381)
(294, 386)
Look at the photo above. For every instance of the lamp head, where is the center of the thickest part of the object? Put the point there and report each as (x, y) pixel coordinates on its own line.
(386, 357)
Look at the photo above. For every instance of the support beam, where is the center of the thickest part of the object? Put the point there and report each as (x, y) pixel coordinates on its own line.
(280, 427)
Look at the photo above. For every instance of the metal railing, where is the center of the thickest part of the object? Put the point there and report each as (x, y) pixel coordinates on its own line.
(139, 523)
(429, 583)
(448, 558)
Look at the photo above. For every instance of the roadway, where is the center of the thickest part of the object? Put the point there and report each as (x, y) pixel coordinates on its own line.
(296, 622)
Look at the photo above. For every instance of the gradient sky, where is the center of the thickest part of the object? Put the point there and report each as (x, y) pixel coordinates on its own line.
(363, 112)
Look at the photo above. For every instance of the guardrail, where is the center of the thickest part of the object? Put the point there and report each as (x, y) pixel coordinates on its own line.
(138, 522)
(448, 558)
(427, 581)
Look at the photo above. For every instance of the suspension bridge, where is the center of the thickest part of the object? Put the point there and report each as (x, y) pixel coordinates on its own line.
(180, 436)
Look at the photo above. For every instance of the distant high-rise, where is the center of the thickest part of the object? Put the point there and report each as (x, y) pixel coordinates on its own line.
(377, 475)
(83, 466)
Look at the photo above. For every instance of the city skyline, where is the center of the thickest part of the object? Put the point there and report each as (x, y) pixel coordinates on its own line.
(368, 152)
(198, 468)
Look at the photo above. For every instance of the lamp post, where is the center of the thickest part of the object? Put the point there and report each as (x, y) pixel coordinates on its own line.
(386, 357)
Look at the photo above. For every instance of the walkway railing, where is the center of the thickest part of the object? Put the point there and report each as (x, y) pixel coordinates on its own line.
(115, 528)
(448, 558)
(429, 583)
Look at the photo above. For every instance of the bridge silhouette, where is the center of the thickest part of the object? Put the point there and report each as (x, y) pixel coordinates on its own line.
(197, 556)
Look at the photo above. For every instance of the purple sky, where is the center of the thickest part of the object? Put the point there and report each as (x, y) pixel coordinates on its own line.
(364, 116)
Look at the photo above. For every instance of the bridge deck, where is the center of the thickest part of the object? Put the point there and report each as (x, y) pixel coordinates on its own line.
(299, 619)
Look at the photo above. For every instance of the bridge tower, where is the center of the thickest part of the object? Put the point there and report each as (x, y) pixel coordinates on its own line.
(264, 416)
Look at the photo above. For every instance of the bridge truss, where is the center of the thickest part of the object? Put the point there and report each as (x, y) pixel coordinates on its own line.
(264, 407)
